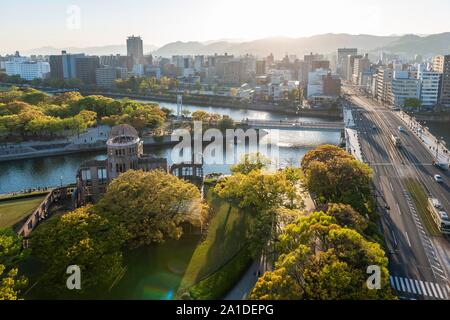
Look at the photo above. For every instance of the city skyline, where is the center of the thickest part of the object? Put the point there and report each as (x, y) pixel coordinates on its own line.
(85, 24)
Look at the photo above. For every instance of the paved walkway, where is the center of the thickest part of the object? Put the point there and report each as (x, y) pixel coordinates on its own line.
(426, 137)
(243, 288)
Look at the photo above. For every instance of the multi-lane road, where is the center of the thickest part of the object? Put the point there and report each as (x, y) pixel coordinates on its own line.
(419, 262)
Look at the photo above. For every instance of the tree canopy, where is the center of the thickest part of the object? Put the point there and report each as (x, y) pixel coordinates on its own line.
(83, 238)
(11, 254)
(30, 112)
(151, 206)
(319, 259)
(335, 176)
(261, 194)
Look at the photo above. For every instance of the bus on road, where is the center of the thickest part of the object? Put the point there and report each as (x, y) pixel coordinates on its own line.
(440, 217)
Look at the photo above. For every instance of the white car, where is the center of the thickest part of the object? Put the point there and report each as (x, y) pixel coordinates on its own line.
(438, 178)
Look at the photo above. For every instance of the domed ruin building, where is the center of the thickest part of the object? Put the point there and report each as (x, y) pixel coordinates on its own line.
(125, 151)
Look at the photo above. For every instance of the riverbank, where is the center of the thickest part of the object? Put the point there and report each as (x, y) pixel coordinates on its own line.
(212, 101)
(438, 117)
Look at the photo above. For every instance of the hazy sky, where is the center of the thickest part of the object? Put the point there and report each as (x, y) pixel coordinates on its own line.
(27, 24)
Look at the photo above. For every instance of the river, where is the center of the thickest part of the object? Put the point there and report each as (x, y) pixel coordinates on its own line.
(52, 171)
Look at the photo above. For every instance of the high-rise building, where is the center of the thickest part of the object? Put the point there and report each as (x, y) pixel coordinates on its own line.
(135, 49)
(331, 85)
(69, 64)
(315, 82)
(342, 60)
(361, 65)
(64, 66)
(429, 86)
(441, 64)
(56, 67)
(86, 67)
(382, 85)
(260, 67)
(320, 64)
(404, 87)
(350, 66)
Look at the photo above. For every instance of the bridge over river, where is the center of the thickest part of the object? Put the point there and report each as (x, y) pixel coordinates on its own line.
(294, 125)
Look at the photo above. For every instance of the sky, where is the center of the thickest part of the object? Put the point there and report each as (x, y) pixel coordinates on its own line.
(29, 24)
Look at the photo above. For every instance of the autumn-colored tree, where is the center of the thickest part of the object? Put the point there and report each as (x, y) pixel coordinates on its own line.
(81, 238)
(67, 98)
(151, 206)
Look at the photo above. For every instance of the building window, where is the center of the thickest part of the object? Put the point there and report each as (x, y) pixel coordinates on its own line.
(102, 176)
(86, 176)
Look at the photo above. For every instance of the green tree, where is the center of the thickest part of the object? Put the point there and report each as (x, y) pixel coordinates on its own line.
(346, 216)
(81, 238)
(35, 97)
(319, 260)
(251, 162)
(335, 176)
(151, 206)
(260, 195)
(225, 123)
(412, 103)
(11, 254)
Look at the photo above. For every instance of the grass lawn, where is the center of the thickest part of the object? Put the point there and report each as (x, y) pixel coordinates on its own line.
(223, 243)
(12, 211)
(420, 199)
(152, 273)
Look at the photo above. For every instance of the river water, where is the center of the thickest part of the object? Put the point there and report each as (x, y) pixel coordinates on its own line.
(52, 171)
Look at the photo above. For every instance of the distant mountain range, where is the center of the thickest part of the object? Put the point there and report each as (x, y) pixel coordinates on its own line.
(100, 51)
(325, 43)
(409, 45)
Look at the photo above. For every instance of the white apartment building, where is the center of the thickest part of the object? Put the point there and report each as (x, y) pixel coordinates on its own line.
(429, 86)
(28, 70)
(404, 87)
(315, 82)
(382, 84)
(361, 65)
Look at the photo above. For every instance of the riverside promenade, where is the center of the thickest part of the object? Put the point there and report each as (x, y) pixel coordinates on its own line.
(94, 139)
(436, 146)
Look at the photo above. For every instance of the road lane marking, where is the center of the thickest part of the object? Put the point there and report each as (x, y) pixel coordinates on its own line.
(397, 285)
(423, 288)
(418, 286)
(412, 286)
(407, 285)
(390, 184)
(401, 283)
(407, 239)
(398, 208)
(428, 289)
(434, 290)
(438, 288)
(395, 239)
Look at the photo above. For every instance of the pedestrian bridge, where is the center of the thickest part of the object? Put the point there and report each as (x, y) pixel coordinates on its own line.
(294, 125)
